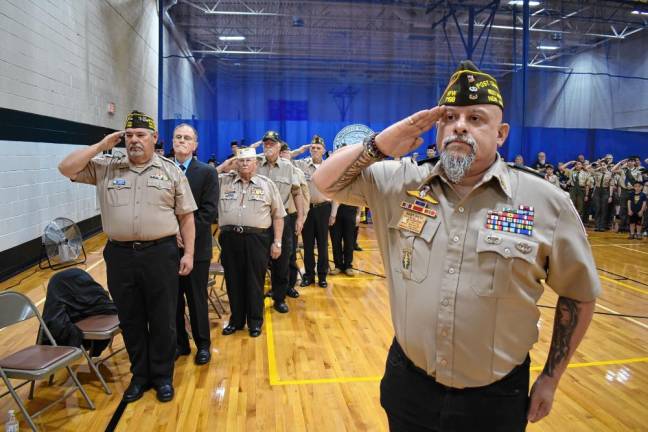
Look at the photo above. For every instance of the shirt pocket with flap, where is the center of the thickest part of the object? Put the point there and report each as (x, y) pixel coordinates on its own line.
(497, 253)
(160, 192)
(414, 250)
(118, 192)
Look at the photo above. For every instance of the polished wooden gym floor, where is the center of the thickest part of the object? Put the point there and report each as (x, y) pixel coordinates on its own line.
(318, 367)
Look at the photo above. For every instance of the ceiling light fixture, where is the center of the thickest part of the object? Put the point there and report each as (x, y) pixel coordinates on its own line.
(231, 38)
(548, 47)
(636, 12)
(521, 3)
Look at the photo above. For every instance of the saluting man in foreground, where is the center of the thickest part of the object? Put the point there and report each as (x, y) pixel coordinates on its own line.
(466, 242)
(145, 201)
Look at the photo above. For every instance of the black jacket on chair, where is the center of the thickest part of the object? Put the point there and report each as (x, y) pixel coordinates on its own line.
(203, 180)
(73, 295)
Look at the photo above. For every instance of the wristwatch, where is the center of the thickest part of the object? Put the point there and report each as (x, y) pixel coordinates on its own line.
(278, 243)
(372, 149)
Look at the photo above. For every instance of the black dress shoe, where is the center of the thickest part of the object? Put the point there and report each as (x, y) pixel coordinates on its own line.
(134, 392)
(306, 282)
(164, 392)
(269, 294)
(293, 293)
(202, 356)
(230, 329)
(280, 307)
(322, 283)
(182, 351)
(357, 248)
(256, 331)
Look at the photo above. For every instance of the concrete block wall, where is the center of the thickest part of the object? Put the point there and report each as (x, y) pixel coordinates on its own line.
(67, 59)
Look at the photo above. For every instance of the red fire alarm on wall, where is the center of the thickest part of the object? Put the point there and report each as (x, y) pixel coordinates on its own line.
(111, 108)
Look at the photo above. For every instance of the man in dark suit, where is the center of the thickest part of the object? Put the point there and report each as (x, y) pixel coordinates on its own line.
(203, 180)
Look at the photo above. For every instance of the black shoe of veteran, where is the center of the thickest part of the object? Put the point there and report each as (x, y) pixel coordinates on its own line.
(164, 392)
(134, 392)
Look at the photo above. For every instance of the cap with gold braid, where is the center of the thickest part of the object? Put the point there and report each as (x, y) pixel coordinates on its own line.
(272, 136)
(137, 119)
(317, 140)
(470, 86)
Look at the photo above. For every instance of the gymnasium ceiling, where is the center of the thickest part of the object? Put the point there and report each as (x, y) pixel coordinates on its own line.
(417, 40)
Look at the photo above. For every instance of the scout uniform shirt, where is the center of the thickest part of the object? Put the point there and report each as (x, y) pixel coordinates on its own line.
(138, 203)
(627, 177)
(465, 274)
(283, 174)
(602, 179)
(305, 193)
(553, 179)
(253, 205)
(308, 167)
(579, 178)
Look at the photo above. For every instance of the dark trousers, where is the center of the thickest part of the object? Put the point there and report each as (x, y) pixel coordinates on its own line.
(343, 236)
(577, 195)
(624, 196)
(316, 230)
(601, 205)
(292, 262)
(415, 402)
(144, 285)
(245, 261)
(194, 287)
(279, 268)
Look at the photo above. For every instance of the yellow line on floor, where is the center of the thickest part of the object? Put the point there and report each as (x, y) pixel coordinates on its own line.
(340, 380)
(272, 361)
(643, 291)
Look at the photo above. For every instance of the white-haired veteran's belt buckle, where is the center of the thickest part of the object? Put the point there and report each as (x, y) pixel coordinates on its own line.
(518, 221)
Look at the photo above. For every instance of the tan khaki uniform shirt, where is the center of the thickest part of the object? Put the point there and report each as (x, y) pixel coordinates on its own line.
(624, 180)
(581, 177)
(463, 296)
(308, 166)
(305, 194)
(138, 203)
(602, 179)
(252, 205)
(283, 174)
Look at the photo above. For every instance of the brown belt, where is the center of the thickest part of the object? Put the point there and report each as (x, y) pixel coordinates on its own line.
(141, 244)
(239, 229)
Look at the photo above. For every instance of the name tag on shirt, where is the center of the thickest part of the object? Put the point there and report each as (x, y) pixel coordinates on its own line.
(119, 182)
(230, 195)
(257, 194)
(413, 222)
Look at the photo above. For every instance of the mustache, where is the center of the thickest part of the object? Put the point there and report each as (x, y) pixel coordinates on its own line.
(466, 139)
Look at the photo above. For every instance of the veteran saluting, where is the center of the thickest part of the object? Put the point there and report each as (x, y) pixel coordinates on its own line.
(145, 201)
(251, 218)
(466, 241)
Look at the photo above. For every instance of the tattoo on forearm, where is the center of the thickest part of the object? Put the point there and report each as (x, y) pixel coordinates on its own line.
(565, 323)
(362, 161)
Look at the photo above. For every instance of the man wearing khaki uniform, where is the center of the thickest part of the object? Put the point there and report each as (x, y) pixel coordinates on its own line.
(145, 202)
(466, 243)
(248, 206)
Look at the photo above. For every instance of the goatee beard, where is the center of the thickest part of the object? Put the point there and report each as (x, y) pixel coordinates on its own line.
(456, 165)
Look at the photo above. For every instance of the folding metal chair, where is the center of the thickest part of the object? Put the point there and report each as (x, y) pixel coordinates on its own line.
(216, 269)
(37, 361)
(99, 328)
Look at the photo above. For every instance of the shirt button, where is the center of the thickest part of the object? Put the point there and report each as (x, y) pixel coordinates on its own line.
(507, 251)
(461, 209)
(455, 239)
(444, 333)
(451, 270)
(444, 362)
(445, 302)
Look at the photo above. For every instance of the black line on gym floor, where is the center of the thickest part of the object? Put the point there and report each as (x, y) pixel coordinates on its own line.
(622, 276)
(620, 315)
(116, 416)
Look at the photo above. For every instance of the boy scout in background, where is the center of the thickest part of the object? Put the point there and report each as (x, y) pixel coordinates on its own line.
(466, 243)
(284, 175)
(550, 176)
(602, 195)
(250, 215)
(579, 188)
(145, 200)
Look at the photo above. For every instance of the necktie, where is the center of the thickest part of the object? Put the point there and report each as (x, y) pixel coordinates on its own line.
(602, 178)
(577, 182)
(182, 167)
